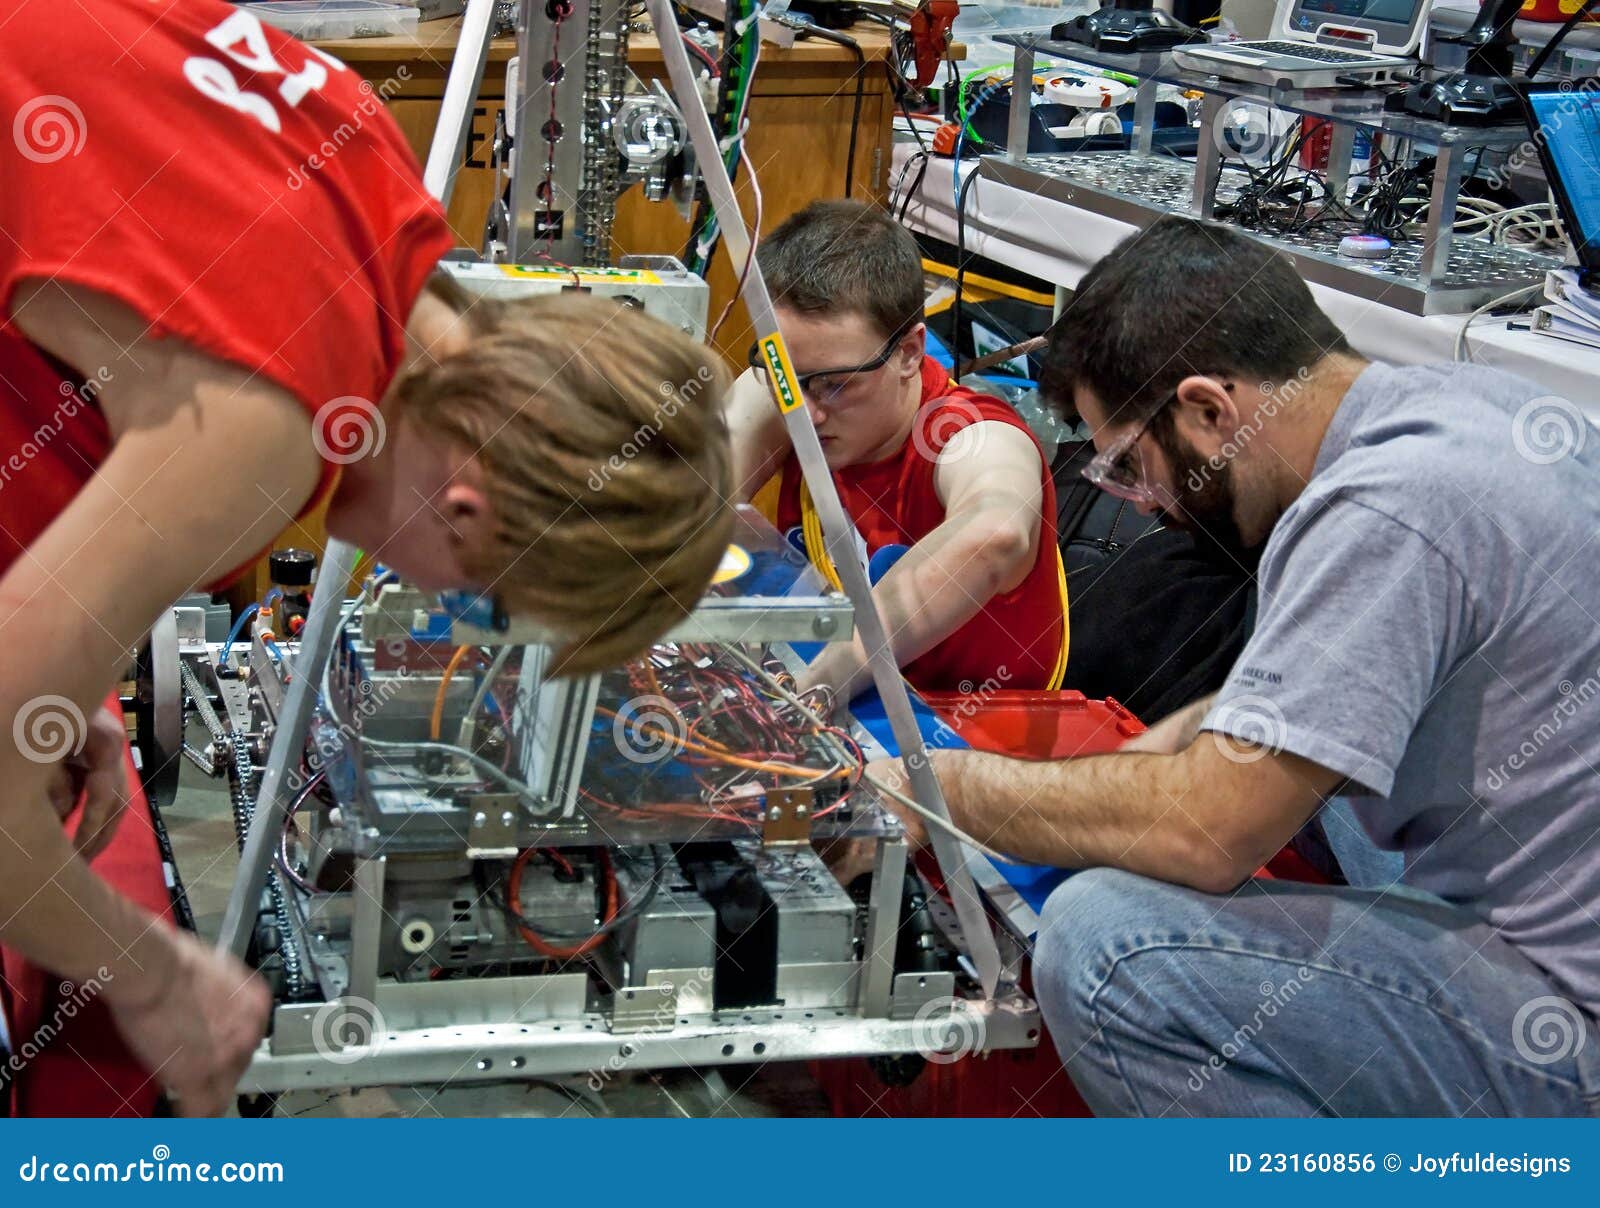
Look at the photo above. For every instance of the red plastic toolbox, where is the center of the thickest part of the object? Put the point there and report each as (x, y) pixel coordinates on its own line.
(1036, 725)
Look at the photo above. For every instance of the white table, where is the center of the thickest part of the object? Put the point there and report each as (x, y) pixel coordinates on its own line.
(1057, 243)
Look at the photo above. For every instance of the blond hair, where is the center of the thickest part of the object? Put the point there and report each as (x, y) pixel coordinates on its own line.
(601, 437)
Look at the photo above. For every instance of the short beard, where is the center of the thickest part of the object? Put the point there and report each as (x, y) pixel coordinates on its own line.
(1206, 512)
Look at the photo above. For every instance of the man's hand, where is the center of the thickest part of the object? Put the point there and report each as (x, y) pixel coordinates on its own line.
(890, 773)
(97, 777)
(198, 1033)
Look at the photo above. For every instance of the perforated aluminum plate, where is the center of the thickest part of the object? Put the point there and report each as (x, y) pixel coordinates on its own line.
(1138, 188)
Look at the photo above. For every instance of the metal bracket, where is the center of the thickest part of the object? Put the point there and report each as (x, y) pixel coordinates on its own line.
(645, 1008)
(788, 816)
(492, 829)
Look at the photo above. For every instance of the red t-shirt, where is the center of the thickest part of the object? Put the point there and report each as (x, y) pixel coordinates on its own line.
(238, 190)
(1014, 640)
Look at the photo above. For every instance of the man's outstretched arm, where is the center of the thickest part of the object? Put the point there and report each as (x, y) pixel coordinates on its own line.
(1206, 817)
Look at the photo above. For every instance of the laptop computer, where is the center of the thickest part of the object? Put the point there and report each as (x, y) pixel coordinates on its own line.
(1564, 120)
(1321, 44)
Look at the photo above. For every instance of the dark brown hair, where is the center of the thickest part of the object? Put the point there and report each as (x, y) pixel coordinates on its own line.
(836, 256)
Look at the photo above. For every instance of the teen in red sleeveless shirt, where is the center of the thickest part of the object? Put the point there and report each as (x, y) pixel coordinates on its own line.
(213, 251)
(949, 492)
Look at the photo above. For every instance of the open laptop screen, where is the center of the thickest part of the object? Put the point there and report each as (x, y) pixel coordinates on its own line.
(1396, 23)
(1566, 128)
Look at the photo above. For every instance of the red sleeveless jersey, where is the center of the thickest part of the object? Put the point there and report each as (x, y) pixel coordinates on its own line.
(237, 189)
(1014, 640)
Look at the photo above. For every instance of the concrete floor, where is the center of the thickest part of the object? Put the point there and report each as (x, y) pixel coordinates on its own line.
(200, 825)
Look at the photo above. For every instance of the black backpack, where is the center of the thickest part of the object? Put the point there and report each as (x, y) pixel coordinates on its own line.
(1156, 621)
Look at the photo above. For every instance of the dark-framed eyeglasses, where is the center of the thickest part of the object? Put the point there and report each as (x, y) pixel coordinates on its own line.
(832, 380)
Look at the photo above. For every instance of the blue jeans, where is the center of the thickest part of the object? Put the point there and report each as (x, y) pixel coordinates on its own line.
(1284, 999)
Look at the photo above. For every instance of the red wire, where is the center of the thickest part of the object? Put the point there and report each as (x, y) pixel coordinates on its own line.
(534, 941)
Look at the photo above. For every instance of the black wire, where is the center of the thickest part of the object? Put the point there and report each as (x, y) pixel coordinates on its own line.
(629, 912)
(961, 270)
(850, 44)
(1540, 59)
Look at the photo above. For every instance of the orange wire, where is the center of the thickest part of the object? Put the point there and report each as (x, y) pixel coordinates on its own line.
(721, 757)
(436, 721)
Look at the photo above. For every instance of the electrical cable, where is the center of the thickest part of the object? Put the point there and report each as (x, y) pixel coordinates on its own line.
(540, 944)
(854, 47)
(961, 271)
(465, 734)
(436, 717)
(701, 53)
(1549, 47)
(1462, 351)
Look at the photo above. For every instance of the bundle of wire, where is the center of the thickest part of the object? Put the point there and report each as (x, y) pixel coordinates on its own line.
(733, 726)
(741, 53)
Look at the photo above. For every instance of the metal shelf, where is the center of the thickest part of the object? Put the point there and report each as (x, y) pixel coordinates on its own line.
(1138, 189)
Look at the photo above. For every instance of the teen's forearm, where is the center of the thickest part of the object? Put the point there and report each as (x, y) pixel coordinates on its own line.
(939, 585)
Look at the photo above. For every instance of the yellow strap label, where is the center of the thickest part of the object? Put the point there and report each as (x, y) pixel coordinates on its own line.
(785, 387)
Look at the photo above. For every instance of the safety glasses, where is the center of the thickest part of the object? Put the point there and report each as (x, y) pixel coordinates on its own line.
(1119, 470)
(823, 383)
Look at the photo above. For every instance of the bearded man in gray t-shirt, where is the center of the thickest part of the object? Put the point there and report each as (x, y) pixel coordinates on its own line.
(1427, 649)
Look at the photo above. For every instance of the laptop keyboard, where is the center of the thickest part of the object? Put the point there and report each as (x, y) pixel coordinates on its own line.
(1303, 50)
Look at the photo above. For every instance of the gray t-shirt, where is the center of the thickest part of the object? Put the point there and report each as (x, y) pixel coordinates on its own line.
(1430, 627)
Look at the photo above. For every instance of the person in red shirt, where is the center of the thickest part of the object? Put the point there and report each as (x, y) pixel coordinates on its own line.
(215, 313)
(949, 492)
